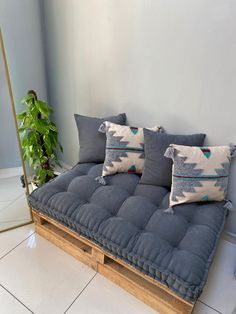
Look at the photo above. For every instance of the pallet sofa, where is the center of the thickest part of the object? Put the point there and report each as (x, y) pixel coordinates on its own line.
(122, 231)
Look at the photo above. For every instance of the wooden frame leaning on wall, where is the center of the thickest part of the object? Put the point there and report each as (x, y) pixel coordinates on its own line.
(13, 109)
(143, 287)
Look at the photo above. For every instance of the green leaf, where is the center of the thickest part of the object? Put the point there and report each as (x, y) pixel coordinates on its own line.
(27, 99)
(24, 142)
(21, 115)
(39, 138)
(50, 173)
(52, 127)
(43, 108)
(41, 126)
(41, 175)
(53, 137)
(22, 133)
(43, 160)
(31, 161)
(21, 129)
(48, 145)
(32, 138)
(33, 111)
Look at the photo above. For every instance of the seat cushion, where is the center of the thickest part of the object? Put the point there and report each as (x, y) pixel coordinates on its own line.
(127, 219)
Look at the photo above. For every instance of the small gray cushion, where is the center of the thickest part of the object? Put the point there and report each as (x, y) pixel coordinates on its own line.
(91, 142)
(157, 168)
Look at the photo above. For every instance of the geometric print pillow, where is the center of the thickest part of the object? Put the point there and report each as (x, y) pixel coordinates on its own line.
(124, 148)
(199, 173)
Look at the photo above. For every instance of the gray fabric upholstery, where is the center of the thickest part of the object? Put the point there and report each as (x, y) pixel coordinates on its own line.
(157, 168)
(91, 142)
(127, 219)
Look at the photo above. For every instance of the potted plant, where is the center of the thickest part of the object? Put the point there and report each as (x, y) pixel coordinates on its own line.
(39, 137)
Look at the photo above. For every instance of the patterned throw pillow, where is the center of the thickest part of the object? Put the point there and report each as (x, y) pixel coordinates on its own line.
(199, 173)
(124, 148)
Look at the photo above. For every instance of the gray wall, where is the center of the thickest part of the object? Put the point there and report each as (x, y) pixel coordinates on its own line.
(21, 26)
(161, 61)
(9, 151)
(22, 31)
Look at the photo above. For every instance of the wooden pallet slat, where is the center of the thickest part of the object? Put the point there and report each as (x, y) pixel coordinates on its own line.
(145, 288)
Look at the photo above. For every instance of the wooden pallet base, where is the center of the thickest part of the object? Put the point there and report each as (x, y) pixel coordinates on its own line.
(150, 291)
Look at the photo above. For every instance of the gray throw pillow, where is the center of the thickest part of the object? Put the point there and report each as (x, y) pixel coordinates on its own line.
(92, 143)
(157, 168)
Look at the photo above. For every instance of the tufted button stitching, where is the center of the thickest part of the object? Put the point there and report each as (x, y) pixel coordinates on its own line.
(107, 217)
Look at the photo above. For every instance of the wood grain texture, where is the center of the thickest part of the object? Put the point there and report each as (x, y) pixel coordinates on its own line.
(143, 287)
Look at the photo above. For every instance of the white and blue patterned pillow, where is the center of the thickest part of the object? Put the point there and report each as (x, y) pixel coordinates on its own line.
(124, 148)
(199, 173)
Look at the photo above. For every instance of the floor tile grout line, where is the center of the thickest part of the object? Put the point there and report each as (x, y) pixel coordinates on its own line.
(210, 306)
(80, 293)
(11, 202)
(16, 246)
(15, 198)
(16, 298)
(16, 220)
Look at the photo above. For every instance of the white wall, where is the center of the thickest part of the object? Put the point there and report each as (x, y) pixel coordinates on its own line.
(161, 61)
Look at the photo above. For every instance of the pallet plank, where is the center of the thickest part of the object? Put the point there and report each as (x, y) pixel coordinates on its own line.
(145, 288)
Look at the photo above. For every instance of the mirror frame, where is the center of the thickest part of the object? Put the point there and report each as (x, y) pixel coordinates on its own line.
(12, 104)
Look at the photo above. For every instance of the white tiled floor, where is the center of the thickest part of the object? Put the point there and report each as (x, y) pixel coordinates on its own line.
(8, 304)
(100, 287)
(221, 280)
(9, 240)
(10, 188)
(13, 205)
(37, 277)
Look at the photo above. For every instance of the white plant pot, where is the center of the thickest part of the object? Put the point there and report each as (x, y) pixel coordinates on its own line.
(33, 186)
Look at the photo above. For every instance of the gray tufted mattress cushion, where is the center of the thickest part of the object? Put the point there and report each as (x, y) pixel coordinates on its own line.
(128, 220)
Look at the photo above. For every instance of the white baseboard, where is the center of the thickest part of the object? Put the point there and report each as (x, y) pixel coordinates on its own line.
(229, 236)
(10, 172)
